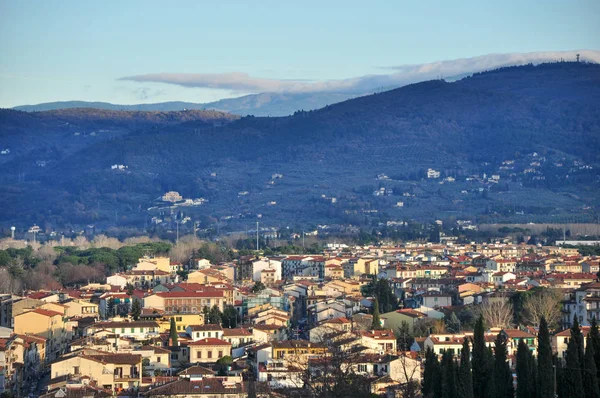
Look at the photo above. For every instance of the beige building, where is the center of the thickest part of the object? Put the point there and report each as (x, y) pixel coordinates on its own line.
(108, 370)
(45, 323)
(208, 350)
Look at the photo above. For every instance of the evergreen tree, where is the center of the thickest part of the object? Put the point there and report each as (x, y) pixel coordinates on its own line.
(524, 371)
(465, 378)
(574, 383)
(136, 310)
(431, 375)
(545, 370)
(481, 376)
(173, 332)
(449, 384)
(405, 338)
(577, 337)
(594, 336)
(215, 316)
(503, 380)
(590, 373)
(533, 374)
(376, 324)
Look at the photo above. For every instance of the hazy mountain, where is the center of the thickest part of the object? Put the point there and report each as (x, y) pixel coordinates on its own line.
(536, 129)
(264, 104)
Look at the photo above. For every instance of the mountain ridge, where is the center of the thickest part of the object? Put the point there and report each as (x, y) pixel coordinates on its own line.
(545, 119)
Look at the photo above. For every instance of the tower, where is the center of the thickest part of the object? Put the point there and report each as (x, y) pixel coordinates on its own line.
(577, 57)
(12, 232)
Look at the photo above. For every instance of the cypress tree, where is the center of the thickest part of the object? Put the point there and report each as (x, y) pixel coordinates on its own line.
(449, 384)
(533, 374)
(590, 373)
(524, 371)
(577, 337)
(173, 332)
(503, 380)
(376, 325)
(465, 378)
(428, 372)
(594, 336)
(574, 383)
(545, 370)
(480, 362)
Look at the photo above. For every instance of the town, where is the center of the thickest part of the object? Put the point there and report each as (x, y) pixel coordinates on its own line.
(355, 320)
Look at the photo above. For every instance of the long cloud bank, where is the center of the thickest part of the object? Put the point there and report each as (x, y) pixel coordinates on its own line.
(400, 75)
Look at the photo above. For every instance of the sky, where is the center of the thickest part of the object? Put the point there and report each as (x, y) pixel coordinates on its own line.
(128, 52)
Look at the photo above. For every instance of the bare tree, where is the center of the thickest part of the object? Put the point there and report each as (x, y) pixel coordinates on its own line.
(497, 313)
(105, 241)
(545, 303)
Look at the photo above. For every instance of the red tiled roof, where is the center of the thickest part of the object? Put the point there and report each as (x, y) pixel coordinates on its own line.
(210, 341)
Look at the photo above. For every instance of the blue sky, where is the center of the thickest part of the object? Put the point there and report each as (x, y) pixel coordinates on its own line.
(66, 50)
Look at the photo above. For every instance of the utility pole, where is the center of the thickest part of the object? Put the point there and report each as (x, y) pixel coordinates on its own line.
(177, 223)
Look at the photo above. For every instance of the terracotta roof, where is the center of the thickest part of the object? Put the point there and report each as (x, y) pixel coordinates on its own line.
(210, 341)
(207, 327)
(43, 312)
(236, 332)
(214, 293)
(210, 386)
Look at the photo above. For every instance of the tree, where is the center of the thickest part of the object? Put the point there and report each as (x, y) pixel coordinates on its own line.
(465, 378)
(432, 381)
(229, 317)
(258, 287)
(405, 338)
(376, 324)
(503, 380)
(577, 338)
(173, 332)
(573, 380)
(129, 289)
(590, 372)
(545, 303)
(453, 323)
(136, 309)
(545, 371)
(110, 307)
(481, 377)
(449, 382)
(206, 314)
(594, 336)
(525, 388)
(214, 316)
(497, 313)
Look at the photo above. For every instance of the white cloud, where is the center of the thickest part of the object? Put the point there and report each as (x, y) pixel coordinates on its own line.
(401, 75)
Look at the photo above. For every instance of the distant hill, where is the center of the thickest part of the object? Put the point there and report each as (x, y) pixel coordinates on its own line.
(515, 144)
(264, 104)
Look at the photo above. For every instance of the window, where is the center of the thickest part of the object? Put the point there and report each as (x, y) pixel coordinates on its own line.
(122, 330)
(178, 319)
(132, 330)
(220, 354)
(209, 334)
(199, 354)
(210, 354)
(362, 368)
(158, 359)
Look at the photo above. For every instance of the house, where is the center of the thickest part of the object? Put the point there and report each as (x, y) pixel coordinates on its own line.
(560, 340)
(500, 278)
(137, 330)
(378, 341)
(208, 350)
(112, 371)
(513, 336)
(394, 319)
(269, 333)
(213, 387)
(198, 332)
(186, 301)
(47, 324)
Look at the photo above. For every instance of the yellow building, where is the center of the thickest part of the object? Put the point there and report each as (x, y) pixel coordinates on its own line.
(208, 350)
(48, 324)
(181, 320)
(109, 370)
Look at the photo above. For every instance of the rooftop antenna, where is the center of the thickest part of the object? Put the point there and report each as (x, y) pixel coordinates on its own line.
(257, 236)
